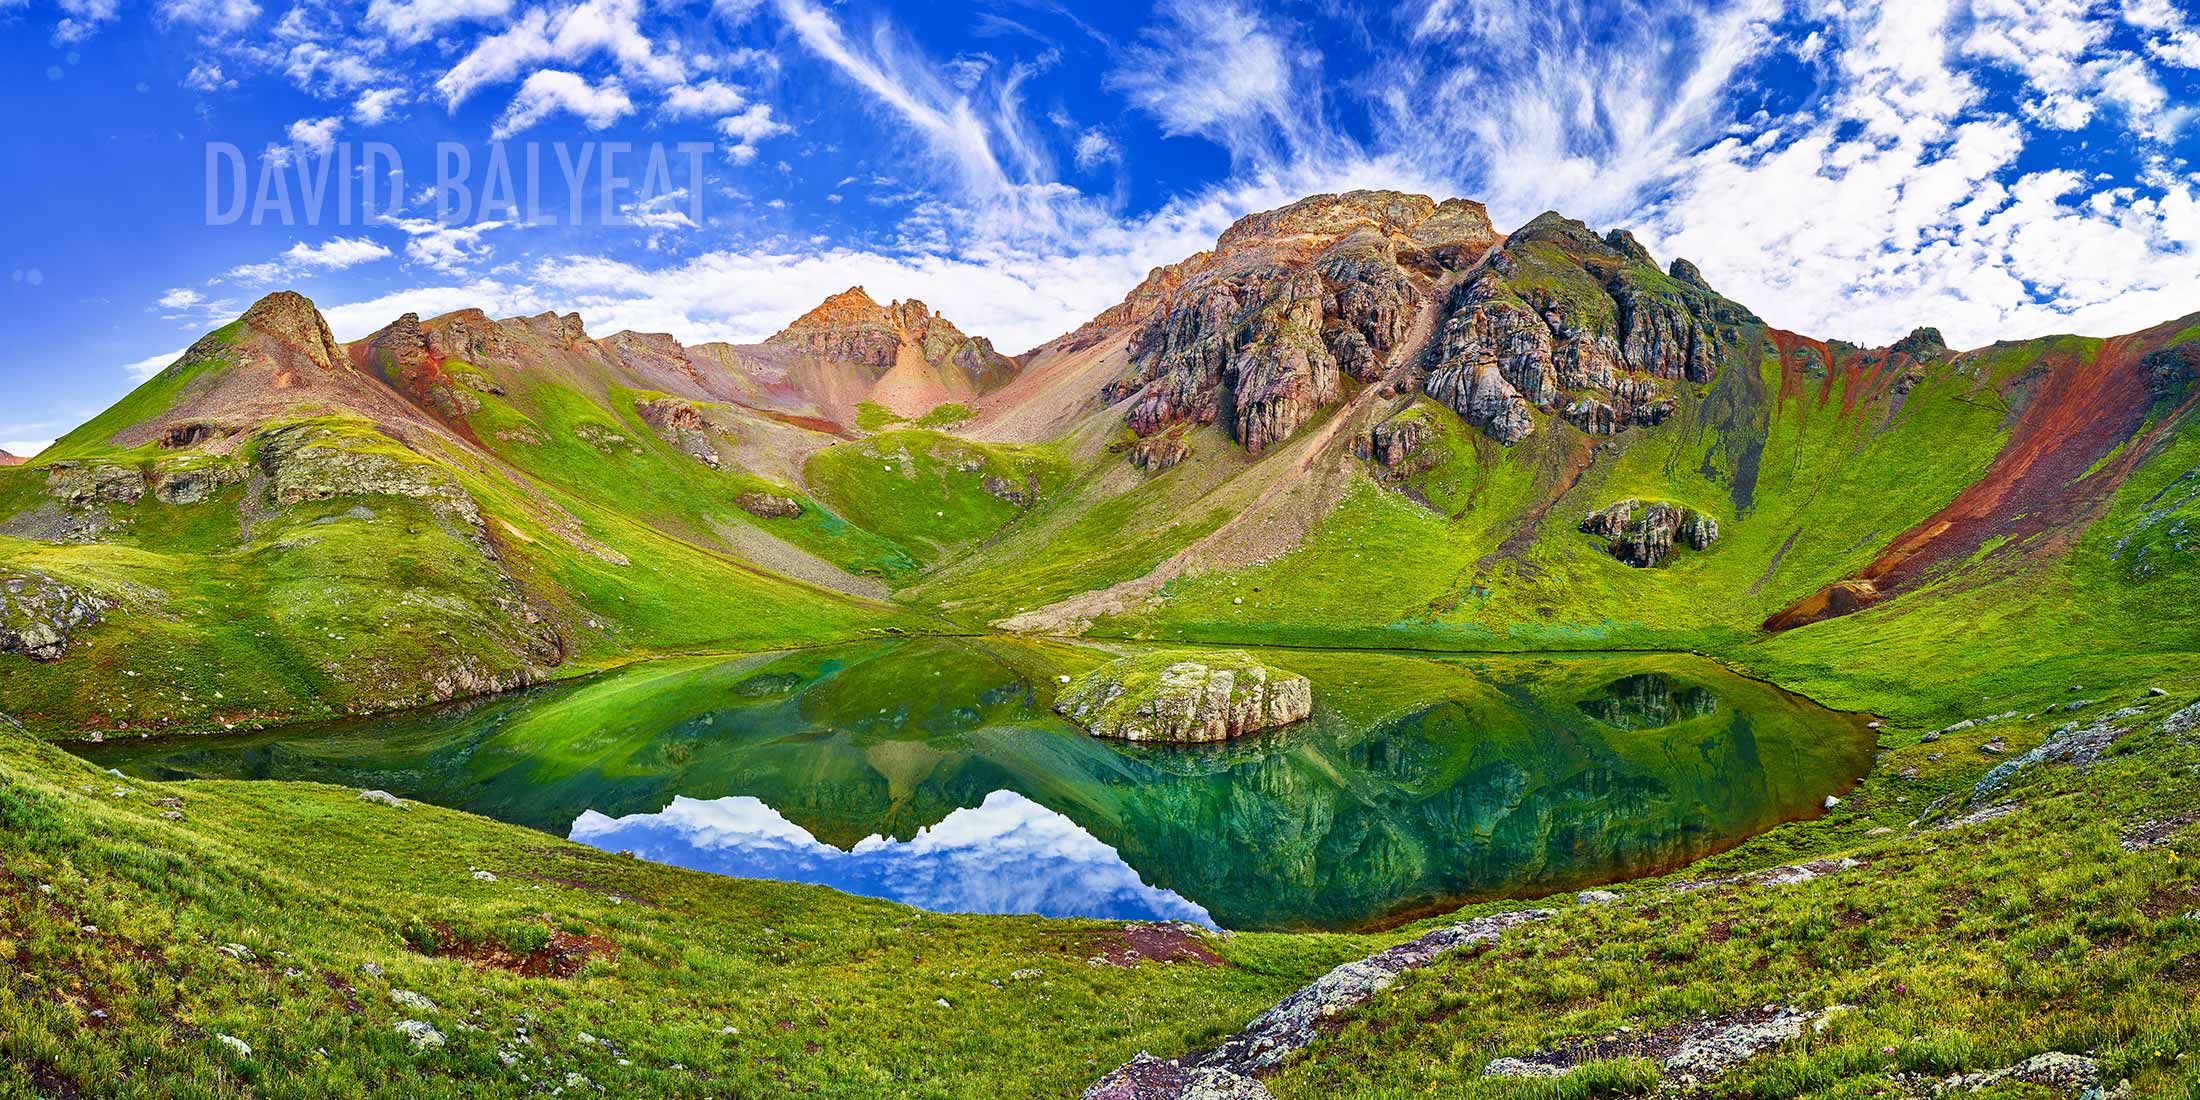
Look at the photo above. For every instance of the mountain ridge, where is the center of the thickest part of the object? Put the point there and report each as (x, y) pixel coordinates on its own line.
(1341, 373)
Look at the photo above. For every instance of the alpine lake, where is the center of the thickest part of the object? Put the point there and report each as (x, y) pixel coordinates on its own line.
(933, 771)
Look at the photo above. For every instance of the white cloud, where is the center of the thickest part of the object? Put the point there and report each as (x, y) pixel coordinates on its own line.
(319, 69)
(744, 130)
(146, 368)
(411, 21)
(1095, 148)
(81, 19)
(660, 212)
(706, 99)
(335, 254)
(315, 135)
(446, 248)
(1218, 70)
(352, 320)
(26, 448)
(569, 37)
(375, 105)
(213, 16)
(181, 298)
(551, 91)
(206, 77)
(1928, 217)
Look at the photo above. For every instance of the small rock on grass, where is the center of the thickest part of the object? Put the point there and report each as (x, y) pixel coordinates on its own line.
(420, 1034)
(236, 1045)
(406, 998)
(384, 798)
(1595, 897)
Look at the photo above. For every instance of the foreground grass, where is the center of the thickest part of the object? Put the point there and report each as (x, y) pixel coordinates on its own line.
(117, 982)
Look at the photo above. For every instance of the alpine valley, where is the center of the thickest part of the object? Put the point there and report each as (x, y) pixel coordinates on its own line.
(1853, 690)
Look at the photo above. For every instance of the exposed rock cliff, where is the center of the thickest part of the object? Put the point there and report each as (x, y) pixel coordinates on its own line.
(1643, 535)
(1259, 334)
(1563, 321)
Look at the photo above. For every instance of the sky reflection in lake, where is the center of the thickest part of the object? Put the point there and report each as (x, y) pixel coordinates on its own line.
(1008, 855)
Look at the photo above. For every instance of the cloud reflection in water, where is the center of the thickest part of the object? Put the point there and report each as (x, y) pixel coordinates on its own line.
(1009, 855)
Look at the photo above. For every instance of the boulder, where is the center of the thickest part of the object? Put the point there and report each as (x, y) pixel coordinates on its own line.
(1644, 534)
(1156, 453)
(39, 613)
(690, 430)
(769, 506)
(1189, 698)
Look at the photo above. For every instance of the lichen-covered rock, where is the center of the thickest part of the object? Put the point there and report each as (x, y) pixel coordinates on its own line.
(1149, 1078)
(306, 463)
(81, 486)
(1393, 441)
(38, 613)
(691, 430)
(1185, 697)
(769, 505)
(1022, 494)
(1156, 453)
(1643, 534)
(194, 483)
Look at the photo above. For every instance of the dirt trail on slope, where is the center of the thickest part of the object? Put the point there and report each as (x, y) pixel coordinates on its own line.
(1296, 496)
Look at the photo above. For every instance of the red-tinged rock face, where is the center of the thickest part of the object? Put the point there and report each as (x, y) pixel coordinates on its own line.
(7, 459)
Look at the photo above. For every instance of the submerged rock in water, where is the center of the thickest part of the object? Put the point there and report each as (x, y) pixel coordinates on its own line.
(1184, 697)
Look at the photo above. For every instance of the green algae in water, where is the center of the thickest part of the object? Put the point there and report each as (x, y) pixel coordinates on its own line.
(932, 771)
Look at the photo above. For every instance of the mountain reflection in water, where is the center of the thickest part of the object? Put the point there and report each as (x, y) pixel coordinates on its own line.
(933, 771)
(1006, 855)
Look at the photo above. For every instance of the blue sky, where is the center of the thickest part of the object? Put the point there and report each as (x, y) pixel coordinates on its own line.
(1844, 167)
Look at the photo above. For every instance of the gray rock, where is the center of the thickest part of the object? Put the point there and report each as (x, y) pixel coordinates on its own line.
(422, 1035)
(1595, 897)
(236, 1045)
(2072, 1073)
(406, 998)
(38, 614)
(1149, 1078)
(384, 798)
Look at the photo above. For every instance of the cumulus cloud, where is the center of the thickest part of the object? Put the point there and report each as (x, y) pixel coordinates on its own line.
(336, 254)
(551, 91)
(206, 77)
(375, 105)
(315, 135)
(181, 298)
(411, 21)
(82, 19)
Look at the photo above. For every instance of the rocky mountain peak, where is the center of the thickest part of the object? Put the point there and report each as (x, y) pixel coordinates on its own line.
(1923, 342)
(7, 459)
(289, 319)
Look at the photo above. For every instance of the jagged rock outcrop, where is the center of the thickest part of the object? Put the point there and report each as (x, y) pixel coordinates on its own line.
(1156, 453)
(1397, 439)
(769, 505)
(1923, 344)
(1022, 494)
(81, 486)
(1185, 698)
(691, 430)
(306, 463)
(1259, 334)
(38, 613)
(1563, 321)
(1643, 534)
(190, 484)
